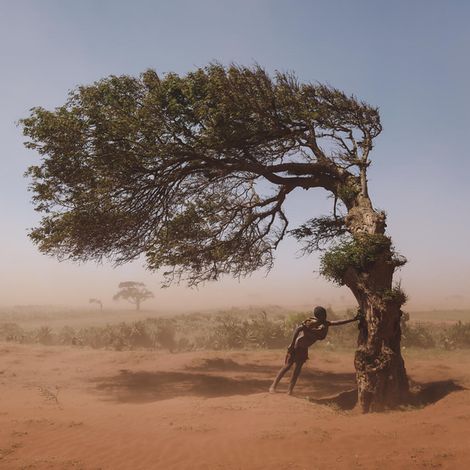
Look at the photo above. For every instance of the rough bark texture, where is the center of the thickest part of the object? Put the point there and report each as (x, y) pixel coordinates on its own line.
(380, 369)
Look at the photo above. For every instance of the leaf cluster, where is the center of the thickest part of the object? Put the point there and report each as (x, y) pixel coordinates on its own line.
(358, 252)
(316, 234)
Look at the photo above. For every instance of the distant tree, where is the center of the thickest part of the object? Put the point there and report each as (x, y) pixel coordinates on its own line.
(133, 292)
(96, 301)
(194, 171)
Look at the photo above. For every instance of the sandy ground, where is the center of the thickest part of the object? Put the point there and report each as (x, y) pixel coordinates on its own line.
(72, 408)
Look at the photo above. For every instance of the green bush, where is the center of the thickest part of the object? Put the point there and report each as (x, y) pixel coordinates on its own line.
(13, 332)
(358, 252)
(44, 335)
(418, 335)
(458, 335)
(225, 331)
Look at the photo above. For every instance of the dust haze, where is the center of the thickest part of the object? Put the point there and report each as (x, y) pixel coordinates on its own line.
(125, 389)
(36, 280)
(103, 369)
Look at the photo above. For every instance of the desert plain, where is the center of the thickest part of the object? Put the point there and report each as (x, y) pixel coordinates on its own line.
(74, 407)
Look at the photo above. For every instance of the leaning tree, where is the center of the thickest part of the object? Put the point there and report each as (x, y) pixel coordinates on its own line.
(193, 172)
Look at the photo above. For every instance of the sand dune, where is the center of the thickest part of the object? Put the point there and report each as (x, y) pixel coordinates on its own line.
(71, 408)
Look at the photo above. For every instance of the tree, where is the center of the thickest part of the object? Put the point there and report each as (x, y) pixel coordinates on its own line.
(133, 292)
(193, 172)
(96, 301)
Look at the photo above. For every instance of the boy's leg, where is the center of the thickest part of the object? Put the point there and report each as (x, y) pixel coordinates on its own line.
(295, 376)
(279, 376)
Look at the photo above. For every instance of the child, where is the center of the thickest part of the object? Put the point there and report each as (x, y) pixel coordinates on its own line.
(308, 332)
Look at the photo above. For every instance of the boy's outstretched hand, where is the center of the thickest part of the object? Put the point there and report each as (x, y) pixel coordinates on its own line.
(359, 315)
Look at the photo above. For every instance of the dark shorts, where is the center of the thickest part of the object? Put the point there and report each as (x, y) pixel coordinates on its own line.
(298, 355)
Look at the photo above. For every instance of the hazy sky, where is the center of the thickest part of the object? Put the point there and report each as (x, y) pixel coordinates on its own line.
(411, 58)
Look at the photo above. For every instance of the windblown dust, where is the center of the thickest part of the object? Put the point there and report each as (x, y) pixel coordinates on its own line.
(72, 408)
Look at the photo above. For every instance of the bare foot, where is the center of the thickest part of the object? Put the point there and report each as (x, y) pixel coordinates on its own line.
(289, 392)
(272, 389)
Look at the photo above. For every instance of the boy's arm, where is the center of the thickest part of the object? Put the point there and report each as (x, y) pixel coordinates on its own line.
(344, 322)
(294, 338)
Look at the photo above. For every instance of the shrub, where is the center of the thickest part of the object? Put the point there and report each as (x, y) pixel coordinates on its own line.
(266, 333)
(458, 335)
(45, 336)
(417, 335)
(67, 336)
(358, 252)
(223, 331)
(230, 333)
(12, 332)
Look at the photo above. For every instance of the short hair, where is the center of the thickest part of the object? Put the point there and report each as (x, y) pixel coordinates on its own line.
(319, 313)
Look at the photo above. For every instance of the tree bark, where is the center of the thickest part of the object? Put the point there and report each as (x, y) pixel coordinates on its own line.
(380, 370)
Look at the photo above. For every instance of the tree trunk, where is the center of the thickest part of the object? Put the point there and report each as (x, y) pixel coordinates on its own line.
(380, 369)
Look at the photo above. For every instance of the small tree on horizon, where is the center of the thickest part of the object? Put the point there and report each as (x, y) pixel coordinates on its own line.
(134, 292)
(96, 301)
(194, 171)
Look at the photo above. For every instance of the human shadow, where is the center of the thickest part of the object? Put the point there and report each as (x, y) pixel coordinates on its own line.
(311, 382)
(223, 364)
(146, 386)
(214, 378)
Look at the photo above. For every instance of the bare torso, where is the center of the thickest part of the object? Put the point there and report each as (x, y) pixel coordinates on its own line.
(310, 334)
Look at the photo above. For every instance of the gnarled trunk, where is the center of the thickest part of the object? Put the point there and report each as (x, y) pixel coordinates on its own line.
(380, 369)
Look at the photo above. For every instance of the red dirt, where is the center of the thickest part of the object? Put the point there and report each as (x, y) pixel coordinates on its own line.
(210, 410)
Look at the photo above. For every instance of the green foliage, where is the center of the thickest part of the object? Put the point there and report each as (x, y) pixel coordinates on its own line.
(395, 295)
(317, 233)
(429, 335)
(417, 335)
(13, 332)
(228, 331)
(67, 335)
(258, 331)
(457, 336)
(168, 166)
(44, 335)
(358, 253)
(151, 333)
(163, 333)
(266, 333)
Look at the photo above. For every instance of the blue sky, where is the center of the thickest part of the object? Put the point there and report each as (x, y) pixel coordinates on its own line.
(410, 58)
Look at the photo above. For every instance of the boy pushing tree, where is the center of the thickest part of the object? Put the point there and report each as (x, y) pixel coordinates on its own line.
(310, 331)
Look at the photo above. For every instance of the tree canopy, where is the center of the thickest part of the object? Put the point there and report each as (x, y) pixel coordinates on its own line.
(193, 171)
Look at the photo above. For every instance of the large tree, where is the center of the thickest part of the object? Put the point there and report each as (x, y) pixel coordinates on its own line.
(193, 172)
